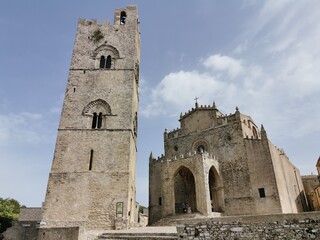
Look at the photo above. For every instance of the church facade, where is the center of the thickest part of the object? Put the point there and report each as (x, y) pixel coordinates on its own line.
(221, 165)
(92, 183)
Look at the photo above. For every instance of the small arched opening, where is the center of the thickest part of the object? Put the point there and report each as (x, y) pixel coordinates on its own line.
(184, 191)
(102, 62)
(108, 62)
(123, 18)
(215, 188)
(254, 132)
(99, 125)
(94, 120)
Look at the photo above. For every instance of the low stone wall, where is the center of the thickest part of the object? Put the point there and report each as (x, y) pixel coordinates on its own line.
(21, 230)
(269, 227)
(71, 233)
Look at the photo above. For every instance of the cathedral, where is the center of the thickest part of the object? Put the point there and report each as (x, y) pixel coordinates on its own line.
(221, 165)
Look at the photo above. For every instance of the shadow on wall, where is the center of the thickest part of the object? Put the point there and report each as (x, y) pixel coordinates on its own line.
(301, 202)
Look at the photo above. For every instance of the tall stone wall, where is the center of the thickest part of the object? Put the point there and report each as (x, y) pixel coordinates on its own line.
(262, 177)
(290, 187)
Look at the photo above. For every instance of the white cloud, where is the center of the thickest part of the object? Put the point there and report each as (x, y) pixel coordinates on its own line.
(279, 92)
(224, 63)
(22, 127)
(177, 90)
(292, 54)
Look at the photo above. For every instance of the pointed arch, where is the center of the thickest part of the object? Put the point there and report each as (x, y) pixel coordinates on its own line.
(215, 190)
(184, 190)
(254, 132)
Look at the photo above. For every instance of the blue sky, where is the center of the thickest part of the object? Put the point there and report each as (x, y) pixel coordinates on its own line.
(262, 56)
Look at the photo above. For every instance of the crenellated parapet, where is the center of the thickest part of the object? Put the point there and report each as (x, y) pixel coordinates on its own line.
(195, 155)
(202, 117)
(201, 107)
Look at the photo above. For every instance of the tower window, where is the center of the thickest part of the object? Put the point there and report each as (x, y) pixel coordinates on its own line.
(102, 61)
(105, 62)
(91, 160)
(99, 120)
(94, 120)
(123, 18)
(262, 193)
(200, 149)
(160, 201)
(108, 62)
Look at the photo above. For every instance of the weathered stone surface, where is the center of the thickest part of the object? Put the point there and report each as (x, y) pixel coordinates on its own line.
(92, 179)
(251, 231)
(222, 164)
(59, 234)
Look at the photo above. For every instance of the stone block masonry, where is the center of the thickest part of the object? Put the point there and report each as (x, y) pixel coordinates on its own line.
(294, 228)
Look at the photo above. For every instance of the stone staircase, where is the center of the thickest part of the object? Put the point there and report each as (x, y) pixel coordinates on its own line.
(159, 233)
(138, 236)
(176, 219)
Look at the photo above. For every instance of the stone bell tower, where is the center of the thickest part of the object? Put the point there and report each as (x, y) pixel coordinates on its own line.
(92, 183)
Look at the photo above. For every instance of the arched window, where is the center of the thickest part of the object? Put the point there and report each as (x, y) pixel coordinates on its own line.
(108, 62)
(105, 62)
(123, 18)
(254, 131)
(99, 120)
(102, 62)
(94, 120)
(200, 149)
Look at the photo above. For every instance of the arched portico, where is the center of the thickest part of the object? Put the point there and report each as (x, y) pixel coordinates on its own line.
(216, 191)
(184, 190)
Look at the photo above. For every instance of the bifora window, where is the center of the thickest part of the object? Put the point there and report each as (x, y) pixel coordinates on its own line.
(96, 120)
(105, 62)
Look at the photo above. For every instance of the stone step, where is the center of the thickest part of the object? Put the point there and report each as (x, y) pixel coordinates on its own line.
(173, 219)
(157, 233)
(138, 236)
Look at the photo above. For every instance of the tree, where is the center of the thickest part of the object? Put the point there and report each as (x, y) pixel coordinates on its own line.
(9, 211)
(141, 208)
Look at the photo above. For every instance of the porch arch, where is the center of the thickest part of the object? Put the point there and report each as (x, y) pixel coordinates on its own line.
(215, 190)
(184, 190)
